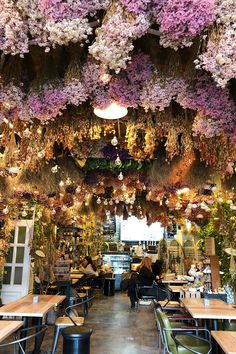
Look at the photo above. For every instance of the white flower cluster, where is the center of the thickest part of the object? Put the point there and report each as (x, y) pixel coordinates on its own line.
(220, 57)
(67, 31)
(114, 39)
(36, 22)
(13, 30)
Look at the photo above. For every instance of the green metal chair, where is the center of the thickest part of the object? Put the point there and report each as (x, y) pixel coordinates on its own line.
(179, 340)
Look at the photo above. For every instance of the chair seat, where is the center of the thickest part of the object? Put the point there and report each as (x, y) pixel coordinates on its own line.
(194, 343)
(81, 295)
(85, 287)
(66, 321)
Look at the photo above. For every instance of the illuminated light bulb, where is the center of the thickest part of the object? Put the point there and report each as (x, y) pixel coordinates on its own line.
(64, 208)
(183, 190)
(120, 176)
(26, 133)
(54, 169)
(105, 202)
(114, 141)
(5, 120)
(99, 200)
(41, 154)
(78, 189)
(113, 111)
(5, 210)
(11, 125)
(118, 161)
(105, 78)
(39, 214)
(68, 181)
(39, 131)
(117, 201)
(188, 225)
(61, 183)
(111, 202)
(53, 211)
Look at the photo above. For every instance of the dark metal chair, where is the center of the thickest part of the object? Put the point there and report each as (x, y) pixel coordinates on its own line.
(21, 338)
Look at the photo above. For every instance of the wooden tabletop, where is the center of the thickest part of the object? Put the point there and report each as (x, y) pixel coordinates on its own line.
(25, 306)
(226, 340)
(217, 309)
(176, 288)
(8, 327)
(175, 281)
(76, 275)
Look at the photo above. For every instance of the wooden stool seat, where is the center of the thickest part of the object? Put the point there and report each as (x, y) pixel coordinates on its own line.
(66, 321)
(82, 295)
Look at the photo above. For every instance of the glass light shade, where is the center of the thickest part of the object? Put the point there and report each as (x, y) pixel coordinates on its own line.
(112, 111)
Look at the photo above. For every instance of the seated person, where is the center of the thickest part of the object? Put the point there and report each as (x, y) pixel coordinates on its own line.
(157, 268)
(87, 267)
(145, 277)
(196, 271)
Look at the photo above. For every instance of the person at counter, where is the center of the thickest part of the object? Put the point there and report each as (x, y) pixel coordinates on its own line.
(87, 267)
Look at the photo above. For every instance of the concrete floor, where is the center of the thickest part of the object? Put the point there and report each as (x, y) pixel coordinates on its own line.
(116, 329)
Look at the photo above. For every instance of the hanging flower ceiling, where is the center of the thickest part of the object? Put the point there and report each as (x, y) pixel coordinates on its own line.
(171, 63)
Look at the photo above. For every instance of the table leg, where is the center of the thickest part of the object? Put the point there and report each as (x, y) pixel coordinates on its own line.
(38, 338)
(24, 334)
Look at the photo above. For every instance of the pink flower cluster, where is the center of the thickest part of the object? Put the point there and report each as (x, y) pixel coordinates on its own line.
(182, 20)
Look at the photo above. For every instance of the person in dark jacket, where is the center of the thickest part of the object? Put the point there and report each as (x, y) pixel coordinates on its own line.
(145, 277)
(157, 268)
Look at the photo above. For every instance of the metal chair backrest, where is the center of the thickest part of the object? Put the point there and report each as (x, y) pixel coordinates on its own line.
(166, 332)
(19, 341)
(71, 311)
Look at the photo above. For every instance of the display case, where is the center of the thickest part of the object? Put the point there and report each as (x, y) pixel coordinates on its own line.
(119, 263)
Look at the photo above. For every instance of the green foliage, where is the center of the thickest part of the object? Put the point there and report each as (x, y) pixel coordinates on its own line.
(103, 164)
(222, 228)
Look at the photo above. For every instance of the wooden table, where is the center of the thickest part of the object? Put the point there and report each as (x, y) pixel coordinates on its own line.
(176, 288)
(25, 308)
(226, 340)
(175, 281)
(217, 310)
(8, 327)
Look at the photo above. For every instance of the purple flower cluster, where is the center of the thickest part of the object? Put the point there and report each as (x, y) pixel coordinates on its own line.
(216, 111)
(158, 93)
(58, 10)
(136, 6)
(182, 20)
(220, 56)
(127, 87)
(47, 103)
(11, 101)
(75, 92)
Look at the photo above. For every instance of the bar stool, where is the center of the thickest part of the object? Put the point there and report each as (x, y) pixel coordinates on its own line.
(63, 322)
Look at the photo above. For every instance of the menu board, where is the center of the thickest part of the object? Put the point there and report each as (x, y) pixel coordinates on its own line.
(210, 249)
